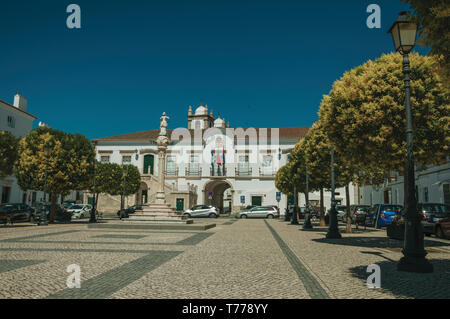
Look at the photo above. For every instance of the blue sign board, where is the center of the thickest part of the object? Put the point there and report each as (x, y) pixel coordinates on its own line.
(278, 196)
(242, 199)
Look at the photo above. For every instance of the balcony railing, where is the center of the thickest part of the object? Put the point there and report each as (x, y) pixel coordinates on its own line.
(218, 170)
(193, 170)
(171, 172)
(265, 171)
(244, 171)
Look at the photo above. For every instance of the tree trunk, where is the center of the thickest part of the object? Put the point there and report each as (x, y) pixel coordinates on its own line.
(53, 208)
(322, 210)
(349, 218)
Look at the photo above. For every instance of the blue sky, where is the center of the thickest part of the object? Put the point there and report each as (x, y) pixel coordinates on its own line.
(256, 63)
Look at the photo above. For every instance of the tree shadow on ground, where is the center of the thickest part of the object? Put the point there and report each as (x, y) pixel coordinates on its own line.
(435, 285)
(324, 229)
(376, 242)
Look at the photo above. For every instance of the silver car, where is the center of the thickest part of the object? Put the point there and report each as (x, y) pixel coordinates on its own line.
(259, 212)
(202, 211)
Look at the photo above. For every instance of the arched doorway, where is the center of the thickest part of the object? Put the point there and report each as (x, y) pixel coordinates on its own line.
(219, 193)
(142, 194)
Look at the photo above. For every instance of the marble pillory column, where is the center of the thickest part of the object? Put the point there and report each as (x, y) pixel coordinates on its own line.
(159, 212)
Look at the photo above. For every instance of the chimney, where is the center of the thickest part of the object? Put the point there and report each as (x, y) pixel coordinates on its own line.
(20, 102)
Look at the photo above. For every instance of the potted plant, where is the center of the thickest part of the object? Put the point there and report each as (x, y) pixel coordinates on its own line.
(397, 229)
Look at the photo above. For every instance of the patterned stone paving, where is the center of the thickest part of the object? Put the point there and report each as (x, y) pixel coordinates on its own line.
(236, 259)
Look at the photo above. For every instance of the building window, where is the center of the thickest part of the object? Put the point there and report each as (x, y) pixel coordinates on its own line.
(425, 194)
(171, 165)
(194, 168)
(6, 192)
(105, 159)
(446, 190)
(126, 160)
(243, 166)
(11, 122)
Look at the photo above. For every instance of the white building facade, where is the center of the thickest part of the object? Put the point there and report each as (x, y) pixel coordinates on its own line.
(15, 119)
(208, 163)
(432, 186)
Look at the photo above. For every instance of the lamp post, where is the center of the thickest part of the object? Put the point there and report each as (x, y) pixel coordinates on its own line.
(403, 33)
(307, 224)
(333, 230)
(43, 215)
(93, 219)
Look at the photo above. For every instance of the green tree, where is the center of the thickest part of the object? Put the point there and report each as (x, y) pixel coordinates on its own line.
(8, 153)
(108, 179)
(433, 18)
(132, 177)
(364, 115)
(69, 163)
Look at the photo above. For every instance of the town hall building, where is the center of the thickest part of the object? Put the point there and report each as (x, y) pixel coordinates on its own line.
(209, 163)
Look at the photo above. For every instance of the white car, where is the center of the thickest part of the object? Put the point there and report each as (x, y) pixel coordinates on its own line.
(202, 211)
(80, 211)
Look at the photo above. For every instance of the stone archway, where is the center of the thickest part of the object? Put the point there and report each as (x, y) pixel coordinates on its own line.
(142, 196)
(218, 200)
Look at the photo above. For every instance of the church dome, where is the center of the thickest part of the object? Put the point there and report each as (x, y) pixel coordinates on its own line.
(201, 110)
(219, 123)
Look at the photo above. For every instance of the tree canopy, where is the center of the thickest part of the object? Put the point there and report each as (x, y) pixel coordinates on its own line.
(69, 164)
(364, 114)
(433, 18)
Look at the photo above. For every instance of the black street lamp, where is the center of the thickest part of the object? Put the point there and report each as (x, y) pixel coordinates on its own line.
(404, 33)
(333, 230)
(43, 214)
(93, 219)
(307, 224)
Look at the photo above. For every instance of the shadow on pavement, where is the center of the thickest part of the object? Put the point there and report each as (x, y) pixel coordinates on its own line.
(375, 242)
(410, 285)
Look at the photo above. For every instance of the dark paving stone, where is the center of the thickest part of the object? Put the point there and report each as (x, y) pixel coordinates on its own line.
(40, 236)
(194, 240)
(312, 286)
(106, 284)
(7, 265)
(121, 236)
(155, 226)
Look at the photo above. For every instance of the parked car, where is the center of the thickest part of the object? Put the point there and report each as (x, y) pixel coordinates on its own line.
(16, 212)
(67, 205)
(358, 213)
(202, 211)
(277, 208)
(341, 212)
(80, 211)
(129, 210)
(436, 219)
(381, 215)
(259, 212)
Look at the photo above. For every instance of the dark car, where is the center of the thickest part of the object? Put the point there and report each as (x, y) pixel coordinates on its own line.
(381, 215)
(16, 213)
(129, 210)
(358, 213)
(436, 218)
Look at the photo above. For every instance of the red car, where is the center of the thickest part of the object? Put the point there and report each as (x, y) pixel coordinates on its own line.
(437, 222)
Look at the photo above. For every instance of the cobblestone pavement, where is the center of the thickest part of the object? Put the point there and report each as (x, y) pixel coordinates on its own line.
(236, 259)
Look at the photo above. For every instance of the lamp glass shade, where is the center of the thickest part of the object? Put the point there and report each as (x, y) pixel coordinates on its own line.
(408, 33)
(404, 36)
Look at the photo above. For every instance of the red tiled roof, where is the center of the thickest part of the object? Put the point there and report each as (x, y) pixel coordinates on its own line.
(285, 133)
